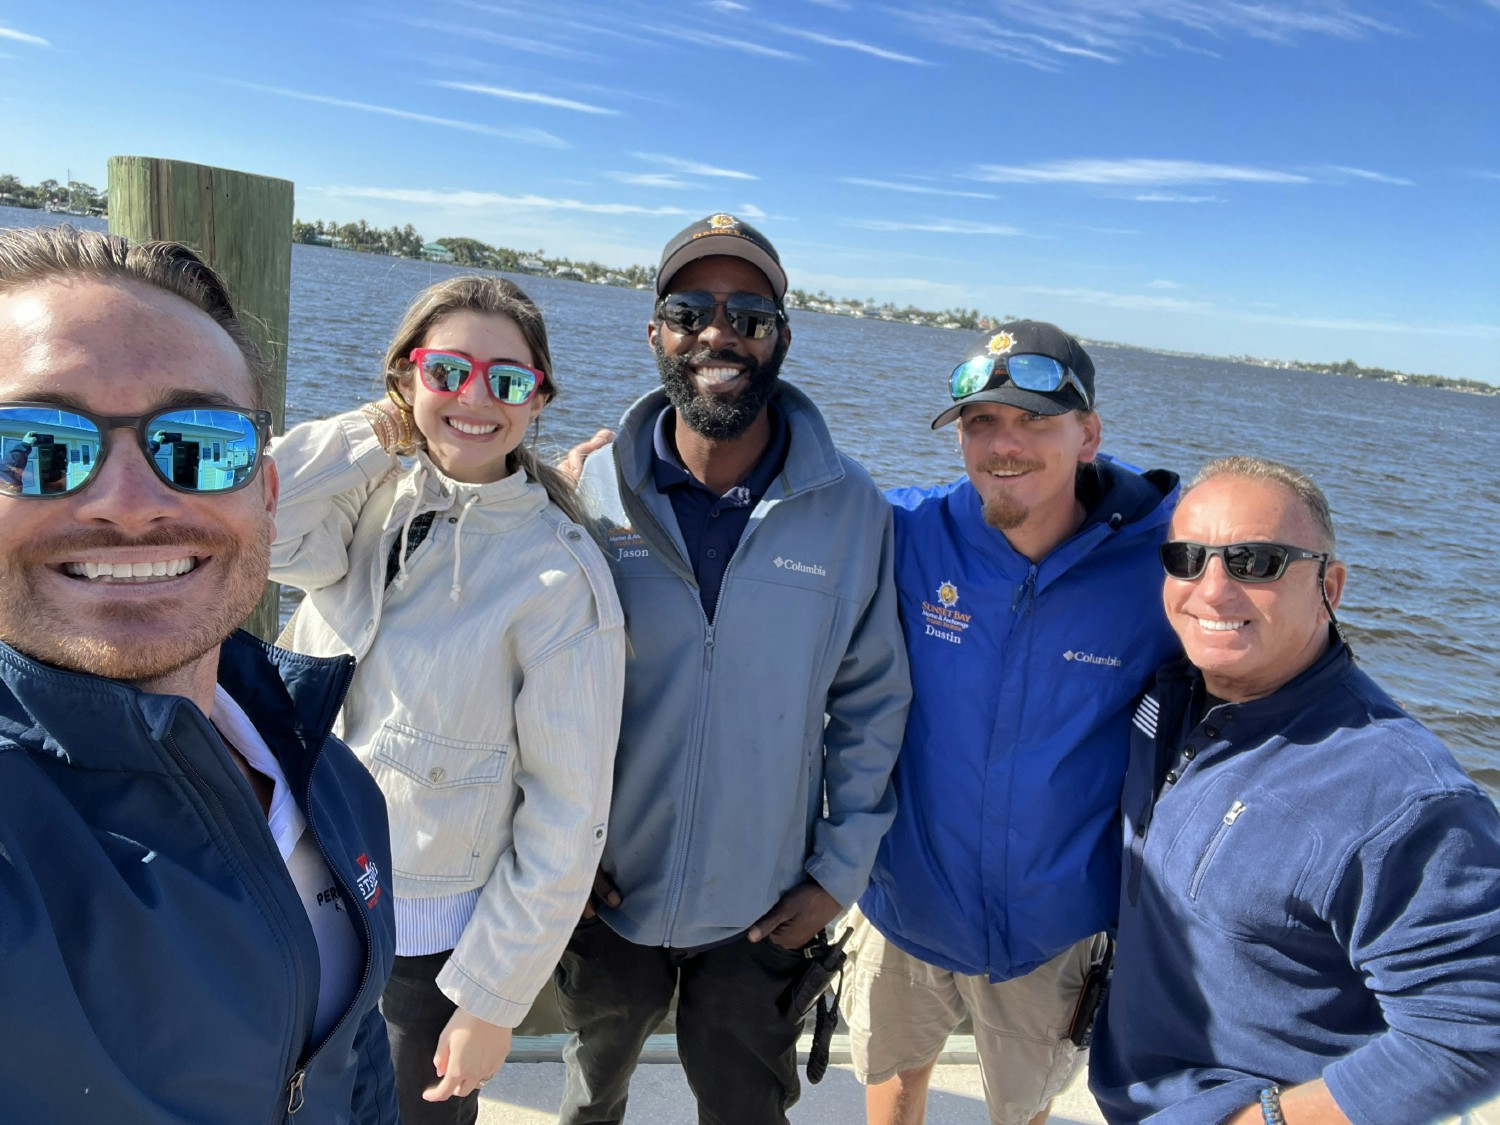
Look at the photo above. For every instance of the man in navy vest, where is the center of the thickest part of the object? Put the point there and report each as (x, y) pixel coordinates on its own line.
(195, 917)
(1027, 593)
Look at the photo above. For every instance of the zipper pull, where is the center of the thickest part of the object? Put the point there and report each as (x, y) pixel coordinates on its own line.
(1234, 812)
(294, 1095)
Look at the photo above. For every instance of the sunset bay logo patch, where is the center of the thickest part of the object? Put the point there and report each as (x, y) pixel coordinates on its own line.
(626, 542)
(941, 620)
(723, 222)
(1000, 343)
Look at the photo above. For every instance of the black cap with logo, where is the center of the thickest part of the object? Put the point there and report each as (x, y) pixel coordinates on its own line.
(725, 235)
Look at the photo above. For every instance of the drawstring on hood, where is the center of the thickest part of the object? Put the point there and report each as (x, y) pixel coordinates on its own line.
(458, 542)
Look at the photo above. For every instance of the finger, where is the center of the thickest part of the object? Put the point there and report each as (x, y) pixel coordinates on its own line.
(769, 922)
(605, 889)
(443, 1090)
(588, 908)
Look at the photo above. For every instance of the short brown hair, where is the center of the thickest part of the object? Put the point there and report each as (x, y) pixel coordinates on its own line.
(29, 256)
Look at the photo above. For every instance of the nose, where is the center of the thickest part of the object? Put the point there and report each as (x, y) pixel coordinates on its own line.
(1214, 582)
(126, 491)
(718, 334)
(476, 392)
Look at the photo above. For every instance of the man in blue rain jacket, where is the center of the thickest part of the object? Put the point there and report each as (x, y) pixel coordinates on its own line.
(1028, 598)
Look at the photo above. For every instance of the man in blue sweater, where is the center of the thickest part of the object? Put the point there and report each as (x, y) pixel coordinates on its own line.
(195, 909)
(1028, 599)
(1310, 917)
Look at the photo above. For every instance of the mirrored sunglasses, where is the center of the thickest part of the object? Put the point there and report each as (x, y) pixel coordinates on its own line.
(752, 316)
(47, 451)
(1244, 562)
(448, 373)
(1039, 373)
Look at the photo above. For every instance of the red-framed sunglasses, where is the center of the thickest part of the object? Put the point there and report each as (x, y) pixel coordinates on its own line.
(448, 373)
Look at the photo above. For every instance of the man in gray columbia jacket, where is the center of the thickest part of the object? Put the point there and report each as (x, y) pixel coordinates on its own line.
(764, 702)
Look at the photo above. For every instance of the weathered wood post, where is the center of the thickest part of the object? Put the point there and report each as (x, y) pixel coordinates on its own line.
(242, 226)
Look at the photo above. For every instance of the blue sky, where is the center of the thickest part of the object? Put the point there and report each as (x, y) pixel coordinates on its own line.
(1316, 179)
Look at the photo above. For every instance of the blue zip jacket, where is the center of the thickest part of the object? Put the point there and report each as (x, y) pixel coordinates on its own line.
(1004, 850)
(157, 966)
(735, 733)
(1311, 888)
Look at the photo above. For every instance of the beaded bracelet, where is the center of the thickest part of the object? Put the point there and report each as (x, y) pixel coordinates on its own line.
(1270, 1106)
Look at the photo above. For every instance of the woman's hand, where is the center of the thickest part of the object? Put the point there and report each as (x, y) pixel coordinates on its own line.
(392, 426)
(469, 1052)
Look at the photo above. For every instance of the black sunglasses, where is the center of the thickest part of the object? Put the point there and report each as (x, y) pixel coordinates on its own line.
(752, 316)
(47, 451)
(1244, 562)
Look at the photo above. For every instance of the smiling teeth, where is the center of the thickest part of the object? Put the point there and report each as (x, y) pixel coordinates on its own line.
(1007, 473)
(1221, 626)
(129, 572)
(472, 427)
(718, 374)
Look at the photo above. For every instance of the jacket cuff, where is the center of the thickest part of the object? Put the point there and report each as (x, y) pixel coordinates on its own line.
(477, 1000)
(365, 450)
(843, 884)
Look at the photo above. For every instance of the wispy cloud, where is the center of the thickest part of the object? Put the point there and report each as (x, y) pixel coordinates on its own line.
(727, 6)
(1108, 31)
(914, 189)
(525, 96)
(432, 198)
(942, 226)
(23, 37)
(1373, 177)
(691, 167)
(527, 136)
(1161, 284)
(1141, 302)
(709, 39)
(649, 179)
(1390, 327)
(463, 33)
(749, 211)
(1132, 173)
(851, 45)
(1173, 197)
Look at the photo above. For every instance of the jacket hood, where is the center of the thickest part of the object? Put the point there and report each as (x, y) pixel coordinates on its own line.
(1119, 496)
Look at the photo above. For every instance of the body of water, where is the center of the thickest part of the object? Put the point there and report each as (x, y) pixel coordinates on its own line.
(1410, 471)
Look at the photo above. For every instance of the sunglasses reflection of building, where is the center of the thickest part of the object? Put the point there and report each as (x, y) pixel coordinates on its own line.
(193, 453)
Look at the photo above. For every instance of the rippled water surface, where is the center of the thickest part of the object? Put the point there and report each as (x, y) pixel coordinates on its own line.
(1410, 471)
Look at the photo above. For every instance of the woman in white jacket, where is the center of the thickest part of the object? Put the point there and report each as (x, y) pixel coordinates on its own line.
(486, 702)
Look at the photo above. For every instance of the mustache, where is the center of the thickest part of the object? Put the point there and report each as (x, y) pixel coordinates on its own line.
(201, 540)
(724, 355)
(1010, 465)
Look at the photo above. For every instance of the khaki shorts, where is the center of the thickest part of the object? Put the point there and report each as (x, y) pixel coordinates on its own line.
(901, 1010)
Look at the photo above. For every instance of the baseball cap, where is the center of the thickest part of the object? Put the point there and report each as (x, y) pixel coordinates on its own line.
(1027, 338)
(721, 234)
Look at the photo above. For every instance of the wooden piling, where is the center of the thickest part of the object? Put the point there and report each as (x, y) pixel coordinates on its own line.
(242, 226)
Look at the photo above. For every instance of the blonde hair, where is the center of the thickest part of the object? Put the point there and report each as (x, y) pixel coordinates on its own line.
(498, 297)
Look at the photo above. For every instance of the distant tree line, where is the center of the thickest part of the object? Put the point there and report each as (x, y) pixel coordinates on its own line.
(73, 197)
(1349, 367)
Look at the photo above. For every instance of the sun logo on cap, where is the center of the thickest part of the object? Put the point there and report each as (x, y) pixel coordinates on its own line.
(947, 593)
(722, 221)
(1001, 342)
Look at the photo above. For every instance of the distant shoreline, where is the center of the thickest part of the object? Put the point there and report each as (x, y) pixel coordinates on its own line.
(473, 254)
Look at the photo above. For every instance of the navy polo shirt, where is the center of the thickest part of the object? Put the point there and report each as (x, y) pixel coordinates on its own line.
(711, 525)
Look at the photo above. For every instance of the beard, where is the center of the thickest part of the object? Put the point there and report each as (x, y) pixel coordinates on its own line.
(1002, 510)
(125, 640)
(719, 417)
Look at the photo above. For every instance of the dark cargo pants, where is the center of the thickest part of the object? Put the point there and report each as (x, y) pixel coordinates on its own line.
(738, 1051)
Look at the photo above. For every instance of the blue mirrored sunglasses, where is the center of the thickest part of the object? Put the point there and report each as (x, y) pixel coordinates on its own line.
(47, 451)
(1039, 373)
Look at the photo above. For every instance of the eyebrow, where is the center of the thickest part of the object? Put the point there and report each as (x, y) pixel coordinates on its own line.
(171, 400)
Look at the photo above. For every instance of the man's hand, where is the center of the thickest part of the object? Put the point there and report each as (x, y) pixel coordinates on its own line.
(469, 1052)
(605, 892)
(571, 466)
(30, 438)
(797, 916)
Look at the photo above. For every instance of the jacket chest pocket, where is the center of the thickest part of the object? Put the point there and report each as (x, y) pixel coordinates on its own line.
(1241, 858)
(440, 793)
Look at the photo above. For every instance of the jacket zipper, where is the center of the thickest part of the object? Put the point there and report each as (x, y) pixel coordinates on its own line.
(695, 756)
(212, 796)
(1025, 593)
(1213, 846)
